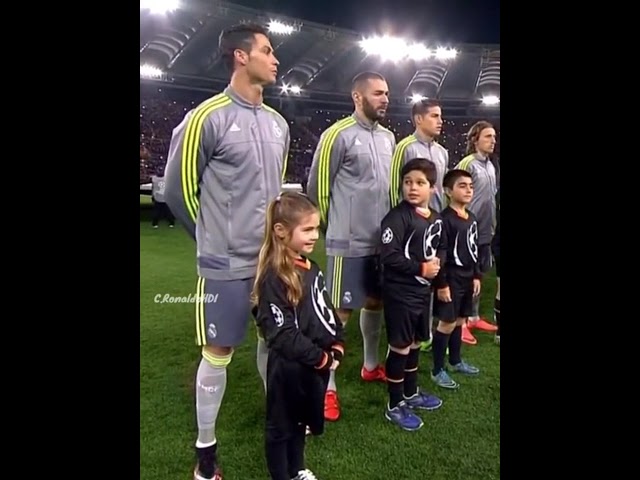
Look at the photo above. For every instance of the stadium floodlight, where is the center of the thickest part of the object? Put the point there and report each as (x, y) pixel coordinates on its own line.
(419, 51)
(149, 71)
(443, 53)
(416, 97)
(279, 28)
(159, 7)
(386, 47)
(491, 100)
(295, 89)
(396, 49)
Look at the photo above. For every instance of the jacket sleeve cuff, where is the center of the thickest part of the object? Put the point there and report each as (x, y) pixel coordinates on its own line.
(338, 351)
(324, 362)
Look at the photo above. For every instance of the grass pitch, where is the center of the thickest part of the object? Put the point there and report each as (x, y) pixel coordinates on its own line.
(461, 441)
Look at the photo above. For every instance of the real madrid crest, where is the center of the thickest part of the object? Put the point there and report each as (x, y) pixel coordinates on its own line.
(277, 131)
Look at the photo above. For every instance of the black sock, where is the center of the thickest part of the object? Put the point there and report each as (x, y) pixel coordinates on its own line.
(439, 349)
(277, 461)
(295, 451)
(496, 311)
(207, 460)
(394, 368)
(411, 373)
(455, 345)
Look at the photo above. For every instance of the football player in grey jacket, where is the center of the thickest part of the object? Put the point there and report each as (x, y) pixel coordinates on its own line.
(226, 163)
(481, 140)
(349, 181)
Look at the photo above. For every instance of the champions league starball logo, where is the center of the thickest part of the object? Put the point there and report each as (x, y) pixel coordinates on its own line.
(319, 299)
(278, 316)
(432, 239)
(472, 241)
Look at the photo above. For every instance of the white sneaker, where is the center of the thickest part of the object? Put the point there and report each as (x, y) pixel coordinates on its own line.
(305, 475)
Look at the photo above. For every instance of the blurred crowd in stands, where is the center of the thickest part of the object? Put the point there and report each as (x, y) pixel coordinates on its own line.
(161, 110)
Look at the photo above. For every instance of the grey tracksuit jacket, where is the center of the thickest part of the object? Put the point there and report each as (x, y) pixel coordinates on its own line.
(415, 146)
(227, 161)
(485, 187)
(349, 181)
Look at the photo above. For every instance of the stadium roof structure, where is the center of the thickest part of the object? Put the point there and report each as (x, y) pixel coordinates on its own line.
(316, 61)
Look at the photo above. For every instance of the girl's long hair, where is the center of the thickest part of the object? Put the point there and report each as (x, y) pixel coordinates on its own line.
(288, 209)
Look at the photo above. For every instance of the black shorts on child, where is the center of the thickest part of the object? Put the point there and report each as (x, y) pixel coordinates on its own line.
(461, 304)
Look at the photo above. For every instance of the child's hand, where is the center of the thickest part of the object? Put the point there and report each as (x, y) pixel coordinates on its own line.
(476, 287)
(444, 294)
(431, 268)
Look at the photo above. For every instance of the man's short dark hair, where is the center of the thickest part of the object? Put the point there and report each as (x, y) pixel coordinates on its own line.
(238, 37)
(423, 106)
(422, 165)
(360, 79)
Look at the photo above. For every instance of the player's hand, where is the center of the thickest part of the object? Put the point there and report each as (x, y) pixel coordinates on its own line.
(444, 294)
(431, 268)
(476, 287)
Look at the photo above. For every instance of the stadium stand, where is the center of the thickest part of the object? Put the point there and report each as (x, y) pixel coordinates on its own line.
(179, 68)
(161, 109)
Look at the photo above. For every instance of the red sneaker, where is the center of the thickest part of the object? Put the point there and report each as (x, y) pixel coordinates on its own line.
(467, 337)
(482, 324)
(331, 406)
(378, 374)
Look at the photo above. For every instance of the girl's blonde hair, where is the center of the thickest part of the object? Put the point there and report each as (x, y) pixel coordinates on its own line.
(288, 209)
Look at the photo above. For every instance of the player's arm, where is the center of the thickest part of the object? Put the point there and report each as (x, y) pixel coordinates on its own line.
(441, 252)
(278, 322)
(337, 347)
(445, 197)
(495, 241)
(192, 145)
(287, 146)
(394, 226)
(327, 159)
(401, 155)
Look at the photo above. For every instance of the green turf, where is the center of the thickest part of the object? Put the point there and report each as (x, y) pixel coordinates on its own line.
(459, 441)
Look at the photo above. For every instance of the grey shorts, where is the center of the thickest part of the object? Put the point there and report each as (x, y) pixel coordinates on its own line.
(350, 280)
(223, 311)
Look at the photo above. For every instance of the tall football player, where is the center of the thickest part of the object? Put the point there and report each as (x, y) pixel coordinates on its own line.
(226, 163)
(349, 181)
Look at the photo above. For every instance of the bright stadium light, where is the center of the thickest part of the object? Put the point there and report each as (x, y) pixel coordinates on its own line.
(397, 49)
(159, 7)
(149, 71)
(295, 89)
(446, 53)
(416, 97)
(491, 100)
(418, 52)
(279, 28)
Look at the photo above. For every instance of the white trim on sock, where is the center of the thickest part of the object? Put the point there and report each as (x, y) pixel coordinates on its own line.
(199, 444)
